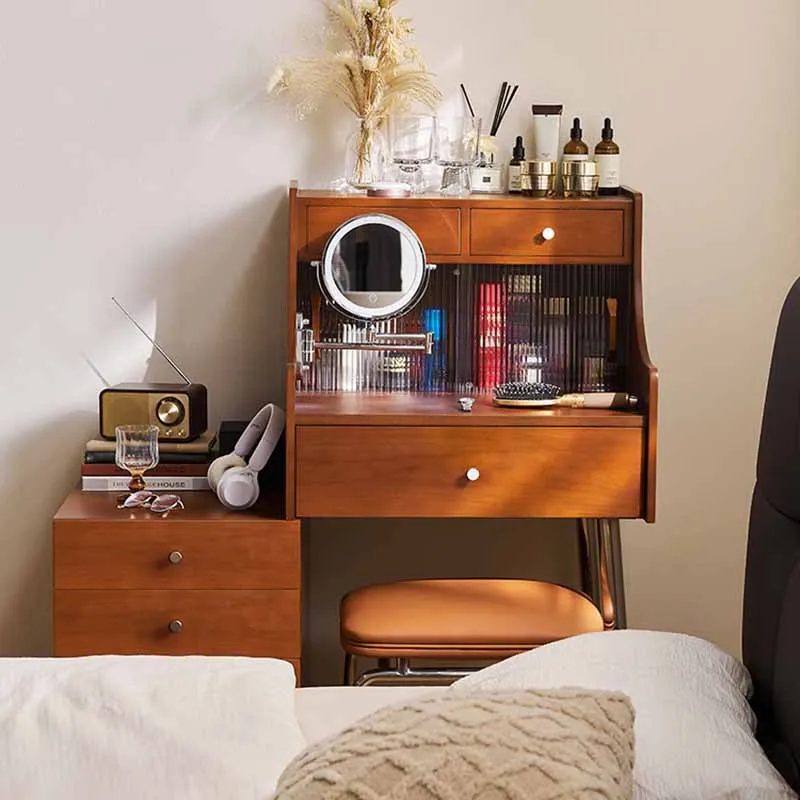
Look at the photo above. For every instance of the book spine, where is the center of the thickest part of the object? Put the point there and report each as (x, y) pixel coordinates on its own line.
(101, 457)
(108, 470)
(177, 483)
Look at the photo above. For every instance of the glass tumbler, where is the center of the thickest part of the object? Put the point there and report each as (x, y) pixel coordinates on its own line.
(411, 140)
(457, 141)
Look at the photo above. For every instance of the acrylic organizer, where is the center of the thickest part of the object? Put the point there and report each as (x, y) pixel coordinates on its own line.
(490, 323)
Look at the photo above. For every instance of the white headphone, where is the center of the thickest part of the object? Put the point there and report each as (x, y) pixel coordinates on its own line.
(235, 480)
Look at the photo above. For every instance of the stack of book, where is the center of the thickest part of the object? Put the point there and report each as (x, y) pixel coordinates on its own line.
(182, 466)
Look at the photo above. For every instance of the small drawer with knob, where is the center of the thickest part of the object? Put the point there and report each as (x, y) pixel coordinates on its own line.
(468, 471)
(177, 622)
(176, 554)
(580, 235)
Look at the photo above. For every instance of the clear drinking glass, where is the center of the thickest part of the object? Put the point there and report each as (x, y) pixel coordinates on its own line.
(411, 139)
(457, 151)
(137, 451)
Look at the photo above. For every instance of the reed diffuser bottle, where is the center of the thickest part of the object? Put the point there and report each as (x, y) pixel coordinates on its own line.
(606, 154)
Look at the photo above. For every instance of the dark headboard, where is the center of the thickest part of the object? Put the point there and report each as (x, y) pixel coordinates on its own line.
(771, 626)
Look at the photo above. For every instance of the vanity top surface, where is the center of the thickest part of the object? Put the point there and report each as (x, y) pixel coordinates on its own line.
(490, 200)
(376, 408)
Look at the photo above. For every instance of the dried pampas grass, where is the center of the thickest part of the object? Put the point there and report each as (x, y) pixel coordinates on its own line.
(368, 64)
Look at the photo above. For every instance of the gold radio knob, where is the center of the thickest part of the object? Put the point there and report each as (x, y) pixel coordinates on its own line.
(170, 411)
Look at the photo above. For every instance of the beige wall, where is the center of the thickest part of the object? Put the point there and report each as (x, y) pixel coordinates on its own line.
(136, 161)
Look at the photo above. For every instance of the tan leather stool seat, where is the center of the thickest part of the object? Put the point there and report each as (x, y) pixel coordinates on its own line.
(450, 618)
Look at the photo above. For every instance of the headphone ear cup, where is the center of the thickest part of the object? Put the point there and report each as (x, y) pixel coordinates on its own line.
(238, 488)
(219, 465)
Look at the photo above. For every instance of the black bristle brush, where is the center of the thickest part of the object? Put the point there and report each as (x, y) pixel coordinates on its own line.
(521, 393)
(532, 395)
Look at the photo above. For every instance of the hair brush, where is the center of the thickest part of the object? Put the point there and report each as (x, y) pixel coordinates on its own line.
(532, 395)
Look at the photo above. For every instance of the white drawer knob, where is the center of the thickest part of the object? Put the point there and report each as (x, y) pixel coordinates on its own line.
(473, 473)
(175, 557)
(548, 234)
(175, 626)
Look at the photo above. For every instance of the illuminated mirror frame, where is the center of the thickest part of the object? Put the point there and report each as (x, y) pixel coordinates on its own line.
(339, 300)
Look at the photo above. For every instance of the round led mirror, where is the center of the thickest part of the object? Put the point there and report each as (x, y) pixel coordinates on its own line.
(373, 267)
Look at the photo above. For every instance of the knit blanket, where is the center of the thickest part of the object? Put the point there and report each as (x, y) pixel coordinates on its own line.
(472, 745)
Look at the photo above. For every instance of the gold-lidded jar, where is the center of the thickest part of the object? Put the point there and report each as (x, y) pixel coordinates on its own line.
(538, 178)
(579, 178)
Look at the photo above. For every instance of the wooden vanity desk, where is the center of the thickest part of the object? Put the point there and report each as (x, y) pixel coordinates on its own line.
(566, 263)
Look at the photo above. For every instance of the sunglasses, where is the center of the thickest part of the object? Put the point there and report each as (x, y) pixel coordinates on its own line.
(157, 503)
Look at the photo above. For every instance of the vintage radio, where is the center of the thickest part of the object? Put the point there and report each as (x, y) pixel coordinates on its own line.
(179, 411)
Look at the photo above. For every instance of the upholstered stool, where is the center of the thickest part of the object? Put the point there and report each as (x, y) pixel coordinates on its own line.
(455, 620)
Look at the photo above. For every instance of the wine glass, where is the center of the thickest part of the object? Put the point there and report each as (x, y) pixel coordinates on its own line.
(137, 451)
(411, 139)
(457, 151)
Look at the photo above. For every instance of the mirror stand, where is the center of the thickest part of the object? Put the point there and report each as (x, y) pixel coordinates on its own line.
(373, 340)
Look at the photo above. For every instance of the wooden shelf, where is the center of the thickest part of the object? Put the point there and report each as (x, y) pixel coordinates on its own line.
(442, 409)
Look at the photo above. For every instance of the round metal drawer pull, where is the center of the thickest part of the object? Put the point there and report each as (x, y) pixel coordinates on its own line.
(175, 626)
(473, 473)
(175, 557)
(548, 234)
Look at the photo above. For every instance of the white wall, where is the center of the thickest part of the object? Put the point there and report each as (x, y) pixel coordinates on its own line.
(136, 160)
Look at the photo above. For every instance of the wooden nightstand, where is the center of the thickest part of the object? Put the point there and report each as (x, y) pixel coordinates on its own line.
(204, 580)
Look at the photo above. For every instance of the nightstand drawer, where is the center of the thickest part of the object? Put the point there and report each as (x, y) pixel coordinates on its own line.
(580, 235)
(352, 471)
(175, 554)
(246, 623)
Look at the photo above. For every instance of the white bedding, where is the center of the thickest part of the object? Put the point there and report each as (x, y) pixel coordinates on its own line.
(145, 728)
(198, 728)
(694, 726)
(325, 710)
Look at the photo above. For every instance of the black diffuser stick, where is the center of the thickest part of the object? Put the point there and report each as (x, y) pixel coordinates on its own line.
(469, 105)
(500, 99)
(507, 104)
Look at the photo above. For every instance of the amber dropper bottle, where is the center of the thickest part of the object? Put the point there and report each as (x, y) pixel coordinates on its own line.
(576, 149)
(606, 153)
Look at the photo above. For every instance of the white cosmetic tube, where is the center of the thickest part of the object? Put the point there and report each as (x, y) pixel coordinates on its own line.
(546, 131)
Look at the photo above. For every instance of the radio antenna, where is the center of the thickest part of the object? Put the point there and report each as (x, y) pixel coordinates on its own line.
(152, 341)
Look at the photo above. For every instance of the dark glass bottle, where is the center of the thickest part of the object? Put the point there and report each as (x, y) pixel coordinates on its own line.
(606, 154)
(515, 167)
(576, 149)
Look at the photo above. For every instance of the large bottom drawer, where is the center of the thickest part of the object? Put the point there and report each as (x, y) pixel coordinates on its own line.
(353, 471)
(177, 622)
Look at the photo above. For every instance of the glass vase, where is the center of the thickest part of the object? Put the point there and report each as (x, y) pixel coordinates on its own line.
(366, 154)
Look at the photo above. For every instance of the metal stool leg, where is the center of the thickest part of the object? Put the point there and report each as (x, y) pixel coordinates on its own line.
(601, 561)
(589, 543)
(611, 548)
(350, 669)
